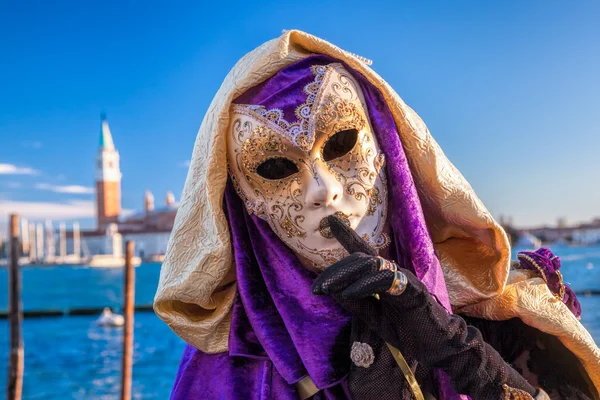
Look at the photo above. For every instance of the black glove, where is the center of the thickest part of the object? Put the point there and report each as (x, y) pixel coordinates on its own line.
(415, 323)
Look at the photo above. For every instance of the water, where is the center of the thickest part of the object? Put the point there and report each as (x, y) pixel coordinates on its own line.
(72, 287)
(70, 357)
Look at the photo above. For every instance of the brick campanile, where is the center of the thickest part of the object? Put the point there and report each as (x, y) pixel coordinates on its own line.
(108, 180)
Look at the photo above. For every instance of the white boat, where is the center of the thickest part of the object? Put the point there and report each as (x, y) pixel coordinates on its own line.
(156, 258)
(111, 261)
(107, 318)
(529, 241)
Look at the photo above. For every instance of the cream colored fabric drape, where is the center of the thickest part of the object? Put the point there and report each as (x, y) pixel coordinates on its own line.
(197, 281)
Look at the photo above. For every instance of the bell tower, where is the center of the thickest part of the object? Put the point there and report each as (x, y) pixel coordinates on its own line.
(108, 179)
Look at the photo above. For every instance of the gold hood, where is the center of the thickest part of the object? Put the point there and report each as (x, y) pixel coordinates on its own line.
(197, 281)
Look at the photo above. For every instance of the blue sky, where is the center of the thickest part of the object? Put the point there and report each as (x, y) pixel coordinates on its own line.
(510, 89)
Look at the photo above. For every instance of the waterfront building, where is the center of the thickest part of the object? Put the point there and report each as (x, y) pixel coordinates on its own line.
(150, 227)
(580, 234)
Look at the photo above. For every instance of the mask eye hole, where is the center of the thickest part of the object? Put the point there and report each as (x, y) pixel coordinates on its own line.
(340, 144)
(277, 168)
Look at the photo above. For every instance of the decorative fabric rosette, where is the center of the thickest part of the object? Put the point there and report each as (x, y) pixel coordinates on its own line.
(547, 266)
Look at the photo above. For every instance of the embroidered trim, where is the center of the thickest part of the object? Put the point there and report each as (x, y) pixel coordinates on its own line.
(298, 132)
(511, 393)
(561, 291)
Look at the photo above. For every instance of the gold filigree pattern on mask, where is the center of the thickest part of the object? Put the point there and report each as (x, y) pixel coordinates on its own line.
(332, 256)
(287, 214)
(256, 149)
(325, 257)
(374, 200)
(291, 228)
(380, 242)
(379, 162)
(336, 115)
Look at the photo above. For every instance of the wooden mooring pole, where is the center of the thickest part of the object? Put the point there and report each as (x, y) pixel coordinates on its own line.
(14, 385)
(128, 309)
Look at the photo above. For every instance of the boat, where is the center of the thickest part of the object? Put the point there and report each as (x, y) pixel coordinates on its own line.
(108, 318)
(157, 258)
(111, 261)
(529, 241)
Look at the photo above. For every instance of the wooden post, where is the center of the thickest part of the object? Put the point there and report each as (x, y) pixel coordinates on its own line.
(128, 309)
(14, 385)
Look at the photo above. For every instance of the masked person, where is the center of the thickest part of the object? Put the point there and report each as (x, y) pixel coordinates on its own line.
(324, 244)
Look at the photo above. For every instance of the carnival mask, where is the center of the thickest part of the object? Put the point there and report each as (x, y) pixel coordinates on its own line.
(294, 174)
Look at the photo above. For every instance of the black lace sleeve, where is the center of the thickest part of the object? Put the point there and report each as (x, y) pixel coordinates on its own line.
(420, 328)
(538, 356)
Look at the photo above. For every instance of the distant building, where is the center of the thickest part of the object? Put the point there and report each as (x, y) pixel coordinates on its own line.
(561, 223)
(149, 228)
(108, 179)
(587, 234)
(582, 234)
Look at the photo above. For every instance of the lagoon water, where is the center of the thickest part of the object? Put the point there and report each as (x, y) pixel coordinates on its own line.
(72, 358)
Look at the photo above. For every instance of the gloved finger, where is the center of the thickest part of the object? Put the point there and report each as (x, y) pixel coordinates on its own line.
(369, 285)
(348, 238)
(328, 273)
(343, 273)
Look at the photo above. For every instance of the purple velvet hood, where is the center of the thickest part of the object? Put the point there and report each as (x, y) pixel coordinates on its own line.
(280, 332)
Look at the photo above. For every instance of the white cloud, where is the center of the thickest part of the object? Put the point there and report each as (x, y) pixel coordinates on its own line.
(10, 169)
(32, 145)
(44, 210)
(71, 189)
(185, 164)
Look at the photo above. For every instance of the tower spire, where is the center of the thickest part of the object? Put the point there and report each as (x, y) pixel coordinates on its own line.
(108, 179)
(106, 141)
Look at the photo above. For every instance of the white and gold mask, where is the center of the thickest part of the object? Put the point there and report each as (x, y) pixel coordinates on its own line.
(294, 175)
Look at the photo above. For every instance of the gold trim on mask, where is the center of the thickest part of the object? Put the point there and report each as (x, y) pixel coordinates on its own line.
(335, 115)
(300, 133)
(261, 142)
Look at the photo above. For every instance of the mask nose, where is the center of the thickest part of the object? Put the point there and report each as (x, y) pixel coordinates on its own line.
(323, 189)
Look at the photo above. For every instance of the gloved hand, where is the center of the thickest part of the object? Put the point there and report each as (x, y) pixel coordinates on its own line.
(410, 319)
(363, 273)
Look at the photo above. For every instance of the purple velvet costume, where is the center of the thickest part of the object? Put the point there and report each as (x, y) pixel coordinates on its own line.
(280, 332)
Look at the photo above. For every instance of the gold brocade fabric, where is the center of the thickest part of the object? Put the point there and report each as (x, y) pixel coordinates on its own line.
(197, 281)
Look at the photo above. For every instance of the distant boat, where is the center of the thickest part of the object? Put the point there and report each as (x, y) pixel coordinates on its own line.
(156, 258)
(111, 261)
(107, 318)
(22, 261)
(529, 241)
